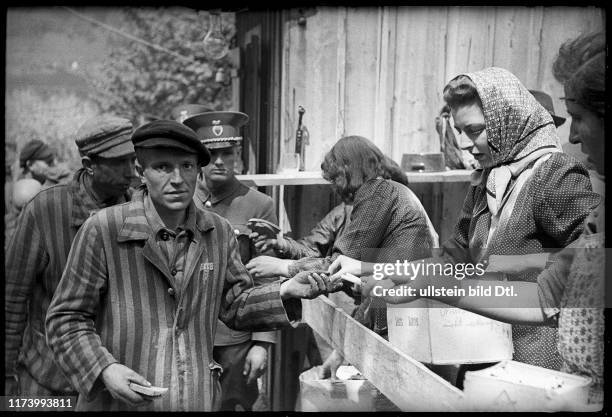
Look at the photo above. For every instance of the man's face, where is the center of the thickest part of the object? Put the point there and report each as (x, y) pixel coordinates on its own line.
(112, 176)
(170, 176)
(221, 167)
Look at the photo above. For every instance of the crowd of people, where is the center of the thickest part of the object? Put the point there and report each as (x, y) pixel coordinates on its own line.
(139, 270)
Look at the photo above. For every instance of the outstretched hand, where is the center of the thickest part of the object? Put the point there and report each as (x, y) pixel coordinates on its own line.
(309, 285)
(343, 264)
(263, 243)
(268, 267)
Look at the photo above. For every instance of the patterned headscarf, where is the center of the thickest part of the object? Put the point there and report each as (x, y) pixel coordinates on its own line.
(516, 123)
(519, 129)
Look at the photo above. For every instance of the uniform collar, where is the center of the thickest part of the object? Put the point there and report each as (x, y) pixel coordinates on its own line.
(136, 227)
(229, 190)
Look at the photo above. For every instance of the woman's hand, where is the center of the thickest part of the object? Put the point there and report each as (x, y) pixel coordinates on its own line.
(330, 366)
(263, 243)
(268, 266)
(343, 264)
(308, 285)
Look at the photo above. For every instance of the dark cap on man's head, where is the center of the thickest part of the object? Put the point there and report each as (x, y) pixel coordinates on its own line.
(105, 137)
(546, 101)
(35, 150)
(218, 129)
(182, 112)
(170, 134)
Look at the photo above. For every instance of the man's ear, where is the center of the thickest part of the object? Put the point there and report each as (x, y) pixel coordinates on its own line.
(139, 169)
(87, 164)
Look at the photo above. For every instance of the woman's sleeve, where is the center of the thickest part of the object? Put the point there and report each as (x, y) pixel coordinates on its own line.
(322, 237)
(369, 222)
(552, 282)
(455, 248)
(564, 198)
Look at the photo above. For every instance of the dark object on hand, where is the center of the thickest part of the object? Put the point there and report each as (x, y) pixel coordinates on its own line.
(263, 228)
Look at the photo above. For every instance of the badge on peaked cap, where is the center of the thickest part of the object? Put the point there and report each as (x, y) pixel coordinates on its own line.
(217, 128)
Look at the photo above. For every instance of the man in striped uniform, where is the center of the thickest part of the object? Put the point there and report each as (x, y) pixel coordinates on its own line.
(146, 281)
(37, 253)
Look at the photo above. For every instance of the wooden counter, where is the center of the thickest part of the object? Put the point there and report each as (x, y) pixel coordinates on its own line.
(314, 177)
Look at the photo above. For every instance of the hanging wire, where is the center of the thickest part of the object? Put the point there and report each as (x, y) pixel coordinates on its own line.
(129, 36)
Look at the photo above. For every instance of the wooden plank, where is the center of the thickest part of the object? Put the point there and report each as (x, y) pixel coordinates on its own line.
(361, 70)
(406, 382)
(314, 177)
(320, 97)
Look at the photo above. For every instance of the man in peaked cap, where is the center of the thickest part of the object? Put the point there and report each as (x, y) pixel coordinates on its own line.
(139, 299)
(38, 251)
(243, 355)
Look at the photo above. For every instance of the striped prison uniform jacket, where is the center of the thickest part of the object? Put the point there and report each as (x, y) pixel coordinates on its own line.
(34, 263)
(118, 302)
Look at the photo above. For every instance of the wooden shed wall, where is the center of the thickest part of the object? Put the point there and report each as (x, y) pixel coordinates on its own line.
(379, 72)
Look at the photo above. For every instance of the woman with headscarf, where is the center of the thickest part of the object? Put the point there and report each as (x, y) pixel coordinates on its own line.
(528, 197)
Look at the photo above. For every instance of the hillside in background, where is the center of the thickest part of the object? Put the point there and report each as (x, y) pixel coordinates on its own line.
(50, 49)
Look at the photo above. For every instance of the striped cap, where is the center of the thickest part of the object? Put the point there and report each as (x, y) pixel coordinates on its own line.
(106, 137)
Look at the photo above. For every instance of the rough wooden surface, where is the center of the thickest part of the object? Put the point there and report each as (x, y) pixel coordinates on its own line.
(406, 382)
(379, 71)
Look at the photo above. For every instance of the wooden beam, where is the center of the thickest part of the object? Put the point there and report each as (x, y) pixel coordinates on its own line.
(314, 177)
(406, 382)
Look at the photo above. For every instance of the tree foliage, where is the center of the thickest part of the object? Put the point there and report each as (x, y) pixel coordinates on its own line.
(139, 81)
(52, 118)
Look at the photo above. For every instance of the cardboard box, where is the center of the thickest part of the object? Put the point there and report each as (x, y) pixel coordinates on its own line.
(434, 334)
(342, 394)
(516, 386)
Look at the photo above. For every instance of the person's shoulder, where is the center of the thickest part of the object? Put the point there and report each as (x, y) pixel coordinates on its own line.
(561, 160)
(256, 196)
(51, 195)
(207, 219)
(113, 217)
(559, 164)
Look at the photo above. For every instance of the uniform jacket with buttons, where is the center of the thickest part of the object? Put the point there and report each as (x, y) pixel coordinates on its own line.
(238, 203)
(118, 302)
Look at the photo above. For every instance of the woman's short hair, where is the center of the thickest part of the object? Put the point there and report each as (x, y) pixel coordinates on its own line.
(581, 66)
(351, 162)
(461, 91)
